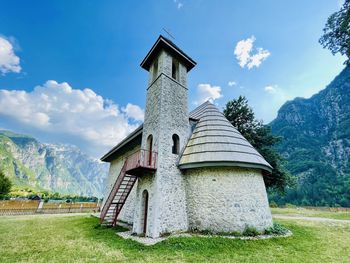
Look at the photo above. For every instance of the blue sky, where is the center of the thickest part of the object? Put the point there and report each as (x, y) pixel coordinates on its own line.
(69, 70)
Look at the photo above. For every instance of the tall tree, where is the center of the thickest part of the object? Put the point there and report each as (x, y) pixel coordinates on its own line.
(260, 136)
(5, 185)
(336, 33)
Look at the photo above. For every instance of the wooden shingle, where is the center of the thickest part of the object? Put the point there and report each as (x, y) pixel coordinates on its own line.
(215, 142)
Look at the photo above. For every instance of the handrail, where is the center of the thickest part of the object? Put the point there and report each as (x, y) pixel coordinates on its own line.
(142, 158)
(113, 192)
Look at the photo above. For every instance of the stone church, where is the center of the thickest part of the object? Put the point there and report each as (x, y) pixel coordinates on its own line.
(182, 171)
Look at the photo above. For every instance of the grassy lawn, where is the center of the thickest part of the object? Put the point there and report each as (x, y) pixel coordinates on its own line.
(75, 238)
(299, 211)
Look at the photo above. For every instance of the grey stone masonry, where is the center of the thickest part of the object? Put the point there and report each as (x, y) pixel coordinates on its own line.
(227, 199)
(166, 114)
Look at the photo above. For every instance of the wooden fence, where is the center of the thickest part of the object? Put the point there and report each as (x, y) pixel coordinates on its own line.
(325, 208)
(27, 207)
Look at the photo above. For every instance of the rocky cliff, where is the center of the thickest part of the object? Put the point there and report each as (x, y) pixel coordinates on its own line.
(316, 144)
(58, 168)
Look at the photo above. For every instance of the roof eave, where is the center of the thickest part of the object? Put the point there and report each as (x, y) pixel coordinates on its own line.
(193, 165)
(162, 42)
(126, 140)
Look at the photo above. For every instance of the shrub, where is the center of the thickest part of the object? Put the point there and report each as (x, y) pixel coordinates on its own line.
(276, 229)
(5, 185)
(288, 205)
(202, 232)
(250, 231)
(273, 204)
(234, 233)
(165, 234)
(206, 232)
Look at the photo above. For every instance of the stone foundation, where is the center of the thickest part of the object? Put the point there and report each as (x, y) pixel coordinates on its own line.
(226, 199)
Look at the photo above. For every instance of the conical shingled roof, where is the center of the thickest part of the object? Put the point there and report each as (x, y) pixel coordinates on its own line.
(215, 142)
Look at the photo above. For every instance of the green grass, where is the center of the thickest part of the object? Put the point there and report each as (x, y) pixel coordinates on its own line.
(75, 238)
(311, 213)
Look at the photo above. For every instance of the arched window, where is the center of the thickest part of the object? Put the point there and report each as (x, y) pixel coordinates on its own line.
(176, 144)
(175, 69)
(149, 149)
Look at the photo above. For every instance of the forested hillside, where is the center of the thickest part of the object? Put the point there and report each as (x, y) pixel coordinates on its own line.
(316, 144)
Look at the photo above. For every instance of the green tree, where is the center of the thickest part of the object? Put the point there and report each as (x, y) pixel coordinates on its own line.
(260, 136)
(5, 185)
(336, 33)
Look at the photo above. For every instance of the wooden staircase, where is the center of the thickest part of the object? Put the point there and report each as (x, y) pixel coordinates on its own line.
(133, 166)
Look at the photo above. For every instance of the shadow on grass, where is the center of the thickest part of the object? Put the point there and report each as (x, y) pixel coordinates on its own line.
(202, 247)
(80, 239)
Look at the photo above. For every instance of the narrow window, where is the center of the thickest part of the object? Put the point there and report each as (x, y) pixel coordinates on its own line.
(155, 69)
(175, 69)
(176, 144)
(149, 149)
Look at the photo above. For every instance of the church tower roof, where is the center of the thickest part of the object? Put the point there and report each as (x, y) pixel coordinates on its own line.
(166, 44)
(215, 142)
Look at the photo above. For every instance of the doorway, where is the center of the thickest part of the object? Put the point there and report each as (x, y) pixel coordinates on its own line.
(144, 211)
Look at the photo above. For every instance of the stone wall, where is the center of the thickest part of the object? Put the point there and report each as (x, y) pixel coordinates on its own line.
(127, 212)
(145, 182)
(226, 199)
(166, 114)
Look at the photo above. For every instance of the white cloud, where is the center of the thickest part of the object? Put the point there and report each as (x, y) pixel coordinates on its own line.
(272, 89)
(276, 96)
(273, 99)
(258, 57)
(9, 62)
(207, 92)
(179, 4)
(232, 83)
(58, 109)
(243, 49)
(244, 53)
(134, 112)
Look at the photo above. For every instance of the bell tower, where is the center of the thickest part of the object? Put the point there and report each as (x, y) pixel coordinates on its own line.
(161, 200)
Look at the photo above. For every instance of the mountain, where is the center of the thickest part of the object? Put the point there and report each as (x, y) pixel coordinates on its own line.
(316, 144)
(54, 167)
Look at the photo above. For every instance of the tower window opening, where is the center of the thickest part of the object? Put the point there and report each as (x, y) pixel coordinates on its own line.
(175, 69)
(155, 69)
(176, 144)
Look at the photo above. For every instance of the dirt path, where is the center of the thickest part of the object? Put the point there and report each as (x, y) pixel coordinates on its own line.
(306, 218)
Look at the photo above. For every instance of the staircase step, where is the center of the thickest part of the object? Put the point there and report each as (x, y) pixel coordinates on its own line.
(117, 196)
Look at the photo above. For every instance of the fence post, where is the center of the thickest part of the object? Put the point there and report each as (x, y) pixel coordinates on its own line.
(40, 207)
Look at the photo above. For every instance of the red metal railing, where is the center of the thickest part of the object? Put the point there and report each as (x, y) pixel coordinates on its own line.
(142, 158)
(133, 165)
(113, 192)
